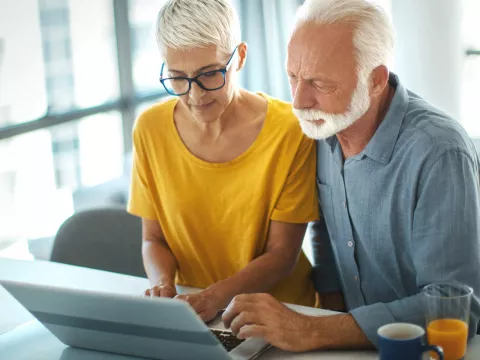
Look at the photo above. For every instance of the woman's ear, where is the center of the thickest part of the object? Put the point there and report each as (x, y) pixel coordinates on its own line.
(242, 55)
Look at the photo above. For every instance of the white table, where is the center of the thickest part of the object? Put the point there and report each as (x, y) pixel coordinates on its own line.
(12, 314)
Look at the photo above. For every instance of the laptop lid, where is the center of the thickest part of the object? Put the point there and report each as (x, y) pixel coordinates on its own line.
(156, 328)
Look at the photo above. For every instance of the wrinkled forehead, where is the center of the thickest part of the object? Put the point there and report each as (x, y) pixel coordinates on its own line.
(317, 48)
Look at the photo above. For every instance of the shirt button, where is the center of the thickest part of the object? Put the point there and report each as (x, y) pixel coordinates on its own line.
(344, 204)
(350, 244)
(355, 278)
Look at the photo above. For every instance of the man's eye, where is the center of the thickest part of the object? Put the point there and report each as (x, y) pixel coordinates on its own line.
(322, 86)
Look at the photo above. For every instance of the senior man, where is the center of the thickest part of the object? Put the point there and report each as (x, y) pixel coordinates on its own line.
(398, 185)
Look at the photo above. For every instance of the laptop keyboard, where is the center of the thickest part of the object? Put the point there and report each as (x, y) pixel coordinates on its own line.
(227, 339)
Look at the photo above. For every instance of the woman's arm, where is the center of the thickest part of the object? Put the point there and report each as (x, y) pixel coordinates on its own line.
(277, 262)
(160, 264)
(282, 249)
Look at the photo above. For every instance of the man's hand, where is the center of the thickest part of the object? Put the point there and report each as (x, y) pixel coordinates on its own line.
(262, 316)
(161, 291)
(205, 303)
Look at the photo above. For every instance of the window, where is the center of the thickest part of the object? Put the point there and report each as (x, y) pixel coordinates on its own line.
(146, 58)
(65, 111)
(41, 170)
(82, 60)
(22, 70)
(62, 63)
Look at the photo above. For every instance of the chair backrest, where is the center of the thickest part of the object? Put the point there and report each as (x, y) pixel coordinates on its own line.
(104, 239)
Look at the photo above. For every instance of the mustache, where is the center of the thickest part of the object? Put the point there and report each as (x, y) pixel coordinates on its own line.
(310, 114)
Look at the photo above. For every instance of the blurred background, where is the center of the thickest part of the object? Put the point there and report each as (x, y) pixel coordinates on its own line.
(74, 74)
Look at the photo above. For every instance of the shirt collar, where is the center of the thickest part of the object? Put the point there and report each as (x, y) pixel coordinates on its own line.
(381, 146)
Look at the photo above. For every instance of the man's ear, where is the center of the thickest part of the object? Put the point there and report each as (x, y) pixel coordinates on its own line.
(378, 80)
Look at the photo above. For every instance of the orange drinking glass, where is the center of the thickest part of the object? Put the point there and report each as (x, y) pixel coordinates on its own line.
(447, 315)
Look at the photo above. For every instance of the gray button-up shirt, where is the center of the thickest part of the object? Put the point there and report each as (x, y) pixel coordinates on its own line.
(402, 214)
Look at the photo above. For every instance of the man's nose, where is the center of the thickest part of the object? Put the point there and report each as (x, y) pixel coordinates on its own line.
(303, 97)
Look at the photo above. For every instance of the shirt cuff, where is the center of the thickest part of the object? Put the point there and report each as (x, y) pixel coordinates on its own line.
(325, 278)
(370, 318)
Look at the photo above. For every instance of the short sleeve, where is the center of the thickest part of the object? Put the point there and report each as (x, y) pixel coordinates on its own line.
(140, 202)
(298, 201)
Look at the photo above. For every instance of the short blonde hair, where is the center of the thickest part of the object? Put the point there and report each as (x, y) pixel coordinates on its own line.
(186, 24)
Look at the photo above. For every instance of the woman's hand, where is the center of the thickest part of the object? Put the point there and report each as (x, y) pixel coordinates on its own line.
(161, 291)
(205, 303)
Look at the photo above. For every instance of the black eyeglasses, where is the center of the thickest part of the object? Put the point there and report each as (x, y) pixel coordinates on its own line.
(210, 80)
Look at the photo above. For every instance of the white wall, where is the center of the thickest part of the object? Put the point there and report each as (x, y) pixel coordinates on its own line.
(429, 53)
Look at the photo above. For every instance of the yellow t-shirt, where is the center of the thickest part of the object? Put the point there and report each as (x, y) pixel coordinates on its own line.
(215, 216)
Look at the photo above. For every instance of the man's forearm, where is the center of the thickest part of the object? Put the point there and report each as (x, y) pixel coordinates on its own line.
(160, 264)
(260, 275)
(335, 332)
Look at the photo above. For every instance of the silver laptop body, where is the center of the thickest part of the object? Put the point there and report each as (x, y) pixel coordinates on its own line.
(153, 328)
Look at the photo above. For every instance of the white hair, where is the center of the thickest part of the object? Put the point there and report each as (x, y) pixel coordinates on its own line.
(374, 36)
(186, 24)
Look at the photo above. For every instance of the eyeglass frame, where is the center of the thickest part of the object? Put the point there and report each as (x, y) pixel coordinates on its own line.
(223, 71)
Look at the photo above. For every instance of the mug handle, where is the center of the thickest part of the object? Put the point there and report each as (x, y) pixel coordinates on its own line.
(437, 349)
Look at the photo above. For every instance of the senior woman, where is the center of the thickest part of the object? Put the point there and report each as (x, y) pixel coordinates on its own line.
(223, 178)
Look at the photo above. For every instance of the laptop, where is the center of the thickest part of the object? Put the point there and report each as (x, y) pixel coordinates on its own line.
(153, 328)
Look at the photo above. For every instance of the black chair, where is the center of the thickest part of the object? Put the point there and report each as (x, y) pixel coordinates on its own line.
(105, 239)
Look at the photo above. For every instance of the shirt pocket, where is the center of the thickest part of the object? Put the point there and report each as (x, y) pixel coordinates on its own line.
(326, 207)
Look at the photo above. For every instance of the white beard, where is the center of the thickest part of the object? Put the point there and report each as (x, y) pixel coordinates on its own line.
(334, 123)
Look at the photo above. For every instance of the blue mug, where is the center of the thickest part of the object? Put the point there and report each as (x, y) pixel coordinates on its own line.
(401, 341)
